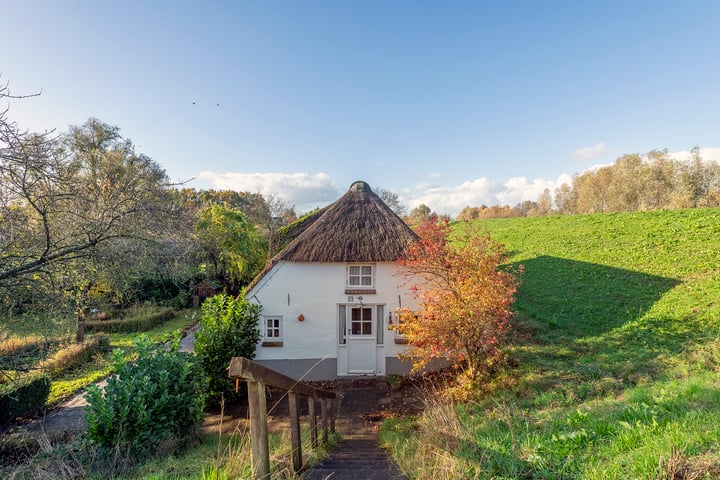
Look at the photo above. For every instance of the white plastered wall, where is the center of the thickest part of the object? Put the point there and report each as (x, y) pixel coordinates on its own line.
(314, 290)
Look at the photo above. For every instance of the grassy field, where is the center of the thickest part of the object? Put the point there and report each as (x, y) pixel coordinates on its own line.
(618, 378)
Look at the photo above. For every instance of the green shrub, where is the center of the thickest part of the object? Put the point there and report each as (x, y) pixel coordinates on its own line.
(156, 400)
(140, 323)
(25, 398)
(228, 328)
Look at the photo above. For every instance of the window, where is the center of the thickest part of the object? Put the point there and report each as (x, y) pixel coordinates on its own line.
(360, 276)
(361, 321)
(272, 332)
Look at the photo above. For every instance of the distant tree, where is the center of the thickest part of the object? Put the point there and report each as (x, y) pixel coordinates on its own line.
(232, 248)
(659, 181)
(544, 204)
(279, 213)
(392, 200)
(466, 296)
(267, 213)
(564, 199)
(419, 214)
(469, 213)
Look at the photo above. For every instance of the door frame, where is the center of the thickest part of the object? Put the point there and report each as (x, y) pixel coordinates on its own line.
(359, 354)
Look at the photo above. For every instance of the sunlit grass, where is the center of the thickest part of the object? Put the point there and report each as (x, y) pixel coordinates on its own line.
(619, 376)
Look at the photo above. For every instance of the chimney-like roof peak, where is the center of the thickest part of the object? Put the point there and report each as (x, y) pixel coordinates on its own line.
(360, 186)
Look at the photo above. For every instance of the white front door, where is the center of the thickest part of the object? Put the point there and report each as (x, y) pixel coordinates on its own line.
(361, 340)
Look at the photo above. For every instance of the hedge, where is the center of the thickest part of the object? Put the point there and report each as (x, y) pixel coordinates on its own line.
(76, 354)
(129, 325)
(24, 399)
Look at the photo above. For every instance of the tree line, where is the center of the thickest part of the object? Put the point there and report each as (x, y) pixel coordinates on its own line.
(633, 182)
(87, 221)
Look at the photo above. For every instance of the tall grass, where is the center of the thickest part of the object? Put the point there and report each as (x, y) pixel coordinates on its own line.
(619, 377)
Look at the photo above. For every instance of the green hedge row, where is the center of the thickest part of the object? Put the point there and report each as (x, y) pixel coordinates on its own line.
(24, 399)
(129, 325)
(76, 354)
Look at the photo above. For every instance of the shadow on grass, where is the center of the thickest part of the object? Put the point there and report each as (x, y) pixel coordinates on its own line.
(586, 335)
(585, 298)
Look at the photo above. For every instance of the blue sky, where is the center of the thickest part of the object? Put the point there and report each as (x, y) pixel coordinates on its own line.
(446, 103)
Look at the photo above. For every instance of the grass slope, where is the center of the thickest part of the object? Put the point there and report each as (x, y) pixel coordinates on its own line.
(619, 378)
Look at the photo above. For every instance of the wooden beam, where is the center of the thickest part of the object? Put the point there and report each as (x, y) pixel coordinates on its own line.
(241, 367)
(295, 438)
(258, 431)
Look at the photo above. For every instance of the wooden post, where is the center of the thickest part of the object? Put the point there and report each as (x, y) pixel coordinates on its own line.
(312, 402)
(295, 438)
(333, 408)
(257, 377)
(324, 409)
(258, 430)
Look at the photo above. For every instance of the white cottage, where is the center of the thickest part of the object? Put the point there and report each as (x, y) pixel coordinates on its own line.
(331, 292)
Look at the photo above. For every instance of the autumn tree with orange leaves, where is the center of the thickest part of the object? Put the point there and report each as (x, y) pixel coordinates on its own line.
(466, 294)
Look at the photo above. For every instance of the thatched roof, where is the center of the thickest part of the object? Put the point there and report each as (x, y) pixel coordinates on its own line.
(282, 238)
(359, 227)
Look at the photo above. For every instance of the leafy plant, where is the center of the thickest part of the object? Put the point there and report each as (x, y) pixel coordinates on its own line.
(228, 328)
(466, 296)
(158, 397)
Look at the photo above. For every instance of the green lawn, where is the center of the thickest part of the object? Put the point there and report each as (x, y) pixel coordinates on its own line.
(619, 376)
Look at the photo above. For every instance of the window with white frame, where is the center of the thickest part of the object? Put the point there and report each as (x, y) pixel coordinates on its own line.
(360, 276)
(273, 329)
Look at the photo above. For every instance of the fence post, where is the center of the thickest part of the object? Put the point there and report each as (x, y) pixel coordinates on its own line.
(324, 410)
(312, 403)
(257, 378)
(295, 438)
(258, 430)
(333, 412)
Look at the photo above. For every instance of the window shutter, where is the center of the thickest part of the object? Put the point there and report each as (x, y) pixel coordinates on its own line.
(380, 324)
(342, 324)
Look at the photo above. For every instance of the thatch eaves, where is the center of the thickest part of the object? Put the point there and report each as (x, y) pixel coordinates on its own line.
(358, 227)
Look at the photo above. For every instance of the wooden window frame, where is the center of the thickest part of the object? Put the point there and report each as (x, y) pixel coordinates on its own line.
(360, 275)
(272, 341)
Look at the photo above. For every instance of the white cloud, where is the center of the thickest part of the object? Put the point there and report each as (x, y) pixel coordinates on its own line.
(303, 190)
(307, 191)
(707, 154)
(587, 154)
(480, 191)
